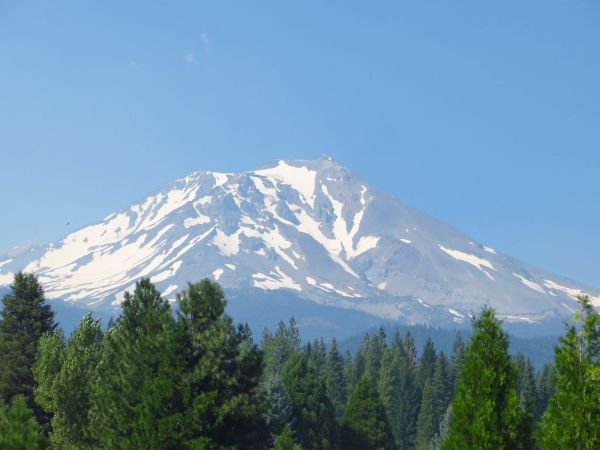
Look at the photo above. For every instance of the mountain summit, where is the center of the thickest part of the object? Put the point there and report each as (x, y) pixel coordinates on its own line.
(313, 230)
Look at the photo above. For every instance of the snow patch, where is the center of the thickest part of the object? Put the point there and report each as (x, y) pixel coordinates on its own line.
(275, 280)
(470, 259)
(3, 263)
(169, 290)
(489, 250)
(530, 284)
(217, 274)
(406, 241)
(6, 278)
(300, 179)
(571, 292)
(230, 266)
(193, 221)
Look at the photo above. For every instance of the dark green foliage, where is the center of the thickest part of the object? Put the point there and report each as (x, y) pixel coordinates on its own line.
(26, 317)
(221, 405)
(313, 414)
(545, 388)
(285, 441)
(365, 425)
(572, 419)
(64, 373)
(133, 395)
(334, 378)
(434, 403)
(485, 411)
(317, 352)
(18, 428)
(525, 382)
(374, 347)
(426, 363)
(458, 358)
(278, 347)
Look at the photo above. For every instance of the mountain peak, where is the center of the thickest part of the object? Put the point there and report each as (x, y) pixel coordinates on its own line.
(310, 229)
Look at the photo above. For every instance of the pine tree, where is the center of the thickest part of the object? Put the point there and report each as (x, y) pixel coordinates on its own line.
(64, 373)
(485, 411)
(222, 405)
(25, 318)
(365, 425)
(132, 396)
(18, 428)
(334, 378)
(572, 419)
(313, 414)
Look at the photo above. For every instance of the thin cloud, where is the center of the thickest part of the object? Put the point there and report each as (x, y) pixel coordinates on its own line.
(190, 57)
(205, 42)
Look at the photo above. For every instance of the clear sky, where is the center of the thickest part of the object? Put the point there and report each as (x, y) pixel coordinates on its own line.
(483, 114)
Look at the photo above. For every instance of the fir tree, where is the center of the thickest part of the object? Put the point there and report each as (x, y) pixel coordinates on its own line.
(572, 419)
(278, 347)
(64, 373)
(434, 403)
(458, 358)
(426, 363)
(285, 441)
(25, 318)
(544, 387)
(18, 428)
(525, 382)
(365, 424)
(485, 410)
(334, 378)
(313, 414)
(132, 396)
(222, 405)
(374, 348)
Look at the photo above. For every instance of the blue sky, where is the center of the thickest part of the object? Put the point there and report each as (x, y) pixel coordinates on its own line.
(483, 114)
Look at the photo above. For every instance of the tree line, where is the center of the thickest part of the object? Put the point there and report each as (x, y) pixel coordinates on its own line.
(168, 378)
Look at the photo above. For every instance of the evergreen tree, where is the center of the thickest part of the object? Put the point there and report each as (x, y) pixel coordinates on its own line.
(426, 422)
(277, 348)
(313, 414)
(572, 419)
(544, 387)
(132, 396)
(426, 363)
(485, 411)
(525, 382)
(18, 428)
(317, 352)
(373, 352)
(64, 373)
(25, 318)
(334, 378)
(409, 400)
(458, 358)
(365, 424)
(434, 403)
(285, 441)
(222, 405)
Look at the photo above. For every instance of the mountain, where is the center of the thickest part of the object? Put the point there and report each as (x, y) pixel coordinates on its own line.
(304, 230)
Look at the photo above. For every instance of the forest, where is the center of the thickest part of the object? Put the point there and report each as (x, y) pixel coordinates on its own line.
(187, 377)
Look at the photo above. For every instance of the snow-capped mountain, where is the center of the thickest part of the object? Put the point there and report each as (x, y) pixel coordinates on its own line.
(310, 229)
